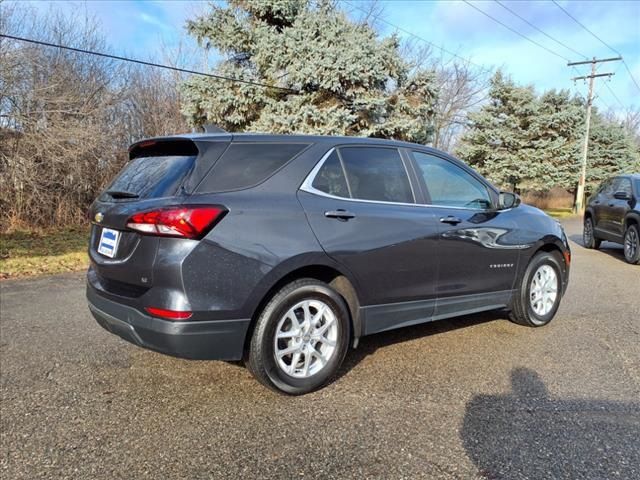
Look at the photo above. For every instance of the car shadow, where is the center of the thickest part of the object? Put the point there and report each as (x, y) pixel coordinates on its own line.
(528, 434)
(612, 249)
(369, 344)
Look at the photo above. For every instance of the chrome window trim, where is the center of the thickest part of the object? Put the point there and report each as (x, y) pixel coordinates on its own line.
(307, 186)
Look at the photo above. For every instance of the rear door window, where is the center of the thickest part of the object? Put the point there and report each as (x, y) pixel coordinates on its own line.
(244, 165)
(376, 173)
(150, 177)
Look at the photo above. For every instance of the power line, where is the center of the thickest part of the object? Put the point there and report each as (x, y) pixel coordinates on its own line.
(515, 31)
(539, 30)
(150, 64)
(614, 95)
(600, 40)
(382, 20)
(578, 22)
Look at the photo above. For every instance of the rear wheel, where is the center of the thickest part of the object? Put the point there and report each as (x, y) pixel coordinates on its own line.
(300, 338)
(539, 291)
(589, 238)
(632, 244)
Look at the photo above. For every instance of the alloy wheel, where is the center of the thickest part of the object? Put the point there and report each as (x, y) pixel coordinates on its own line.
(587, 235)
(544, 290)
(630, 243)
(306, 338)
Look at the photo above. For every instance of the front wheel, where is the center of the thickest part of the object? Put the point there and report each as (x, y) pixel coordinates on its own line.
(300, 338)
(632, 244)
(589, 239)
(539, 291)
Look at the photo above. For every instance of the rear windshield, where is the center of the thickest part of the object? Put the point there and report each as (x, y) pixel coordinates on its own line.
(150, 177)
(244, 165)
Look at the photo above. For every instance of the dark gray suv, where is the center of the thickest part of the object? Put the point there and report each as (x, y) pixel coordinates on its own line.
(286, 250)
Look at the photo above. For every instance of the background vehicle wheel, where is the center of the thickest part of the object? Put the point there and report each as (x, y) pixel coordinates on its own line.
(589, 239)
(539, 291)
(300, 338)
(632, 244)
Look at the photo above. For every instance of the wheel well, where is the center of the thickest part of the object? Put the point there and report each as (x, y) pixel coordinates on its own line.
(329, 275)
(553, 248)
(630, 221)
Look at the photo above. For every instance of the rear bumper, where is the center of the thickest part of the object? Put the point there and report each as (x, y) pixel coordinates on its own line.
(199, 340)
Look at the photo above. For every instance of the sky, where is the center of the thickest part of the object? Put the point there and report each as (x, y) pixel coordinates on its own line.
(143, 28)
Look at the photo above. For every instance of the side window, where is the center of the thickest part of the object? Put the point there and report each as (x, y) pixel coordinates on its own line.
(608, 188)
(330, 178)
(376, 173)
(450, 185)
(244, 165)
(624, 185)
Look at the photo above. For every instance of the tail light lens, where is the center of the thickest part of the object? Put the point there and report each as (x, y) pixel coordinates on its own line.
(184, 222)
(168, 314)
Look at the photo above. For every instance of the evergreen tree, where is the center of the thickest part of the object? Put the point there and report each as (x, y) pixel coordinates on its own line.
(500, 142)
(536, 142)
(557, 133)
(611, 151)
(350, 82)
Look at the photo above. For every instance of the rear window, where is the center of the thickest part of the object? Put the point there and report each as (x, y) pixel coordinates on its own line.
(150, 177)
(246, 164)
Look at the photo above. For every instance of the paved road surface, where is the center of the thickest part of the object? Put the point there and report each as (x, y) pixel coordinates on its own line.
(476, 397)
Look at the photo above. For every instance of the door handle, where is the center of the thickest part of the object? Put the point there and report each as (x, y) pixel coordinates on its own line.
(450, 219)
(597, 202)
(340, 214)
(612, 204)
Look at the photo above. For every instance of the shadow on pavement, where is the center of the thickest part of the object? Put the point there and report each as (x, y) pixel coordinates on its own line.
(527, 434)
(612, 249)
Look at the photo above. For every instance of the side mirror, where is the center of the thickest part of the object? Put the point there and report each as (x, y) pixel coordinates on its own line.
(508, 200)
(622, 196)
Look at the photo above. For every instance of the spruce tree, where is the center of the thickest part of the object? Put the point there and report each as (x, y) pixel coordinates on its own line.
(350, 82)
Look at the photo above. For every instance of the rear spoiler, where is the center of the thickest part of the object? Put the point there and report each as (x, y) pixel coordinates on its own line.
(163, 147)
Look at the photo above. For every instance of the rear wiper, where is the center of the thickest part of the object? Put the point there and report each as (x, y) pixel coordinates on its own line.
(121, 194)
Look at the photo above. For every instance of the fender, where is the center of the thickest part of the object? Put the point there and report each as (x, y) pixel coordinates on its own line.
(296, 266)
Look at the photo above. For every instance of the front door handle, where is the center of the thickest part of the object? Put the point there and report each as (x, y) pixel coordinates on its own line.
(451, 220)
(612, 204)
(340, 214)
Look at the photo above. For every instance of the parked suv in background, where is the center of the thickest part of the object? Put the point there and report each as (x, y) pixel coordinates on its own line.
(613, 214)
(286, 250)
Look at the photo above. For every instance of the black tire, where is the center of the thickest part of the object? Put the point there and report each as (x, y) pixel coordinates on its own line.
(261, 358)
(589, 239)
(522, 311)
(632, 244)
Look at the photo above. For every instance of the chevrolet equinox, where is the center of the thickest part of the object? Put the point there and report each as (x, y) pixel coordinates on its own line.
(285, 250)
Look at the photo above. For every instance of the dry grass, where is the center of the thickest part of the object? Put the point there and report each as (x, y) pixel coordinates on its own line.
(25, 254)
(559, 212)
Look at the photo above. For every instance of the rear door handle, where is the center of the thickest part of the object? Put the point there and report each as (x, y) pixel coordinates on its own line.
(612, 204)
(340, 214)
(450, 219)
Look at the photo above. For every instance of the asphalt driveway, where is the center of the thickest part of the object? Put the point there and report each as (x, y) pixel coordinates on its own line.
(476, 397)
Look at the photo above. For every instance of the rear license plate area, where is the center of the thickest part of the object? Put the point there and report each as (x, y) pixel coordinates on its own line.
(108, 244)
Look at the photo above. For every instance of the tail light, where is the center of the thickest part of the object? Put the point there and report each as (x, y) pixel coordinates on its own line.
(184, 221)
(168, 314)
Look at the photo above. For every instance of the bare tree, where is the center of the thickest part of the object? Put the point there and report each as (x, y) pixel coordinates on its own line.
(67, 118)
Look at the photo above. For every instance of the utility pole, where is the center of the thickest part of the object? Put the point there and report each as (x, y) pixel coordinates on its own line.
(579, 206)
